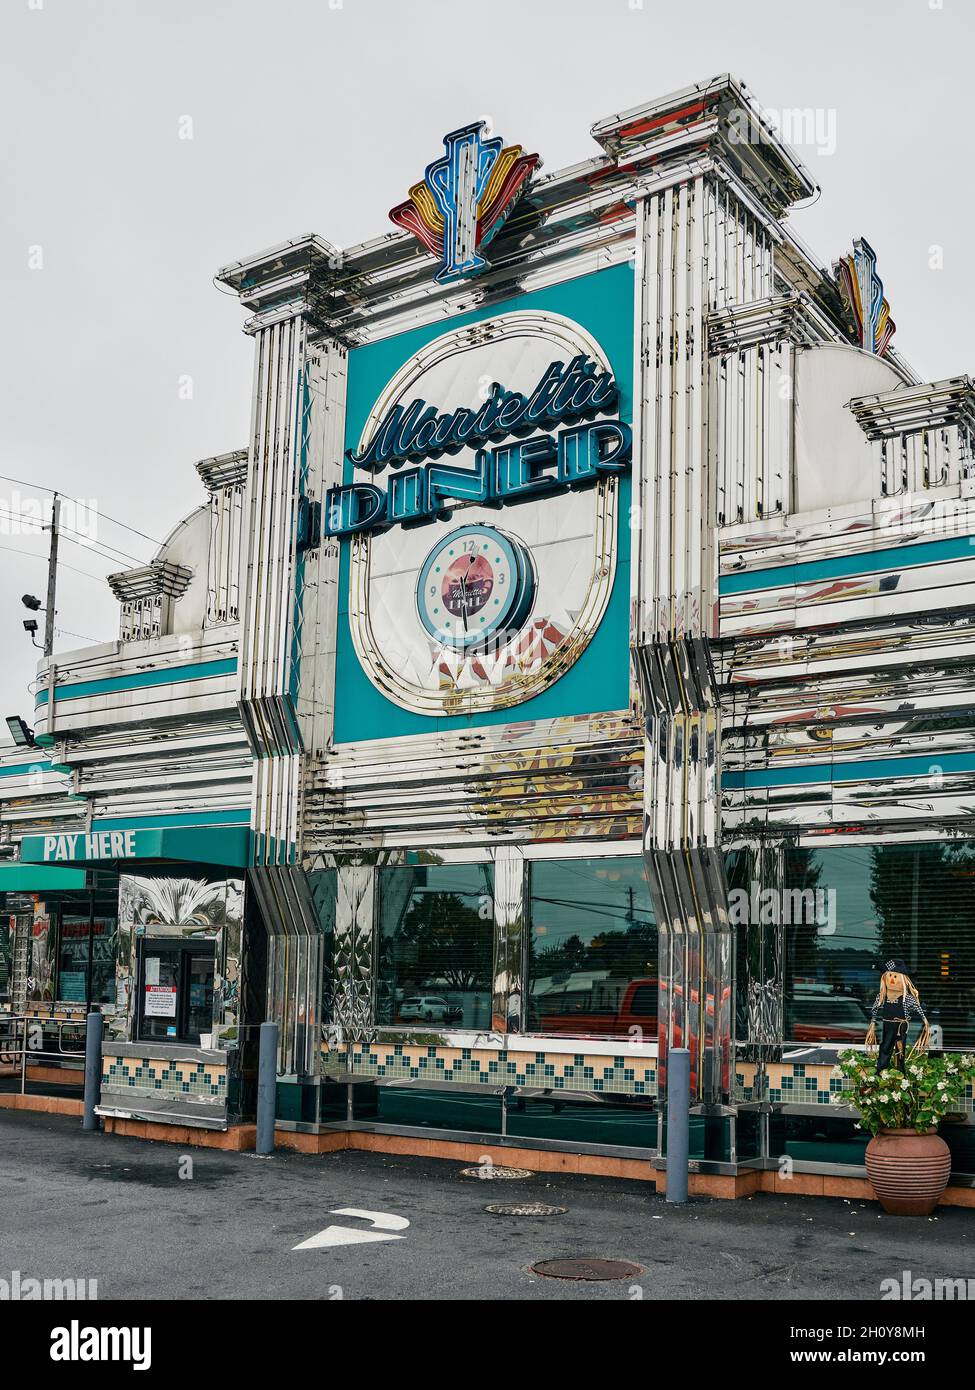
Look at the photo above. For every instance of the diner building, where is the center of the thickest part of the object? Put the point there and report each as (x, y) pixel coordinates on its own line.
(575, 663)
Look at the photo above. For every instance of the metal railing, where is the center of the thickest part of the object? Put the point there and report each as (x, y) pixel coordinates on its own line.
(23, 1036)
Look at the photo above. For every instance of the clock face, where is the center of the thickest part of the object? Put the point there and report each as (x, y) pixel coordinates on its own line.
(477, 584)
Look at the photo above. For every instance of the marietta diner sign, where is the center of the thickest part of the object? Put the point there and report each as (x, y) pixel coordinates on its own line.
(518, 467)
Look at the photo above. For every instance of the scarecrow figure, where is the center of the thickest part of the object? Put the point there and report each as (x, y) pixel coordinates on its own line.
(897, 1005)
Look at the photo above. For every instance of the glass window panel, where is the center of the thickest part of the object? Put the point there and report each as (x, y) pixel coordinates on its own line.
(915, 902)
(8, 924)
(104, 933)
(444, 1110)
(324, 893)
(73, 947)
(604, 1120)
(435, 945)
(160, 1001)
(200, 1001)
(593, 948)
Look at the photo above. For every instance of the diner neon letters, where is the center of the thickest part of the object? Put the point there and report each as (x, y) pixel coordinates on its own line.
(571, 395)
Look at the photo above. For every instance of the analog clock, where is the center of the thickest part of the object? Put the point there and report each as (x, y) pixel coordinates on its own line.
(475, 585)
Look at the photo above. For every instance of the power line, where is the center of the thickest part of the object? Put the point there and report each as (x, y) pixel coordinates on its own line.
(64, 632)
(114, 520)
(68, 533)
(32, 555)
(102, 548)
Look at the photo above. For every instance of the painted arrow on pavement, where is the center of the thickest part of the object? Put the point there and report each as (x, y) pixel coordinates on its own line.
(385, 1223)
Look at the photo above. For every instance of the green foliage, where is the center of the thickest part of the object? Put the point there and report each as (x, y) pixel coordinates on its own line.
(932, 1088)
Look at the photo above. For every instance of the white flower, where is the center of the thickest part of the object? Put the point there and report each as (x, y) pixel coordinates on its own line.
(942, 1085)
(905, 1085)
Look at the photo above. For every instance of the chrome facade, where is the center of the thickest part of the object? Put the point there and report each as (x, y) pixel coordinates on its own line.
(756, 639)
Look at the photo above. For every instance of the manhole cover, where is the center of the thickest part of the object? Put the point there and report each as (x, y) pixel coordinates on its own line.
(591, 1270)
(486, 1172)
(526, 1209)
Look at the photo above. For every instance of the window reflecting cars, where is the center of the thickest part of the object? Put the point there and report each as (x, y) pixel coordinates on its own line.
(818, 1015)
(429, 1008)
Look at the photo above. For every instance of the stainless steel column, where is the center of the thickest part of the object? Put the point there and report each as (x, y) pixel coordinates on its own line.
(294, 453)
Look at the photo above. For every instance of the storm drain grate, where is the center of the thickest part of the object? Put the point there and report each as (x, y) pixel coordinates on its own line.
(526, 1209)
(591, 1270)
(486, 1172)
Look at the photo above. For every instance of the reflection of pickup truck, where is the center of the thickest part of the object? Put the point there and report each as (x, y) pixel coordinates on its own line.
(818, 1015)
(584, 1011)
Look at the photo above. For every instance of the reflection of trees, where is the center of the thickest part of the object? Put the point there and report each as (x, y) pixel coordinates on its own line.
(442, 938)
(631, 952)
(803, 871)
(923, 898)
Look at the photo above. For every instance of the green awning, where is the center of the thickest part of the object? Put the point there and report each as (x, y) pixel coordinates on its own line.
(38, 878)
(198, 844)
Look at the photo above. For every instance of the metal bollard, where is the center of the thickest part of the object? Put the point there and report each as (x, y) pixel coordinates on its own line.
(267, 1087)
(93, 1068)
(678, 1122)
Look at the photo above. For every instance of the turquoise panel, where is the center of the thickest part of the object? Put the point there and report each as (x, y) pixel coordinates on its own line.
(162, 675)
(603, 304)
(863, 770)
(848, 566)
(41, 764)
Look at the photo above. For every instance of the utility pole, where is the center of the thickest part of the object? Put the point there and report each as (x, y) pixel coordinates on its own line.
(52, 577)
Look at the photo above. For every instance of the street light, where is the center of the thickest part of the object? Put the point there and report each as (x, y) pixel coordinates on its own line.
(31, 602)
(19, 732)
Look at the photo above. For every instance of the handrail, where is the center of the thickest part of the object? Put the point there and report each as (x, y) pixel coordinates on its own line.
(29, 1022)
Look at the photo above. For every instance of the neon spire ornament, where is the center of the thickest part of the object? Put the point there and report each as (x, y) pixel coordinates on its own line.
(464, 199)
(863, 291)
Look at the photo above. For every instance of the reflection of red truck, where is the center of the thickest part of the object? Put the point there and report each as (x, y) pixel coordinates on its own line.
(584, 1011)
(817, 1013)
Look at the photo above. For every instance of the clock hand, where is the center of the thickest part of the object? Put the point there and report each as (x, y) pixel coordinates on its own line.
(463, 599)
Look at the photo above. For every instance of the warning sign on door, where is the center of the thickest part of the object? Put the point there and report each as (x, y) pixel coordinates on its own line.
(160, 1001)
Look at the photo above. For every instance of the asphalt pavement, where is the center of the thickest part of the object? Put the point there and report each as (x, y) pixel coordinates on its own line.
(152, 1220)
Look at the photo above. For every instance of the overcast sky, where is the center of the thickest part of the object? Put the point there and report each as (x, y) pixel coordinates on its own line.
(122, 363)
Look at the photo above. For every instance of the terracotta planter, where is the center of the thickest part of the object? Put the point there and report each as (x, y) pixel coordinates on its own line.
(908, 1171)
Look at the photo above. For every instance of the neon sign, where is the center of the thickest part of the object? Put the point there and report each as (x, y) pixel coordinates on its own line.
(464, 199)
(523, 464)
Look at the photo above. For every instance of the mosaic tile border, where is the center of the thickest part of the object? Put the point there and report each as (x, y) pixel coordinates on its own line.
(159, 1076)
(802, 1083)
(557, 1071)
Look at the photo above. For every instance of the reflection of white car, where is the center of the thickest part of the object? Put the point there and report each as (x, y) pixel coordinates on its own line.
(429, 1007)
